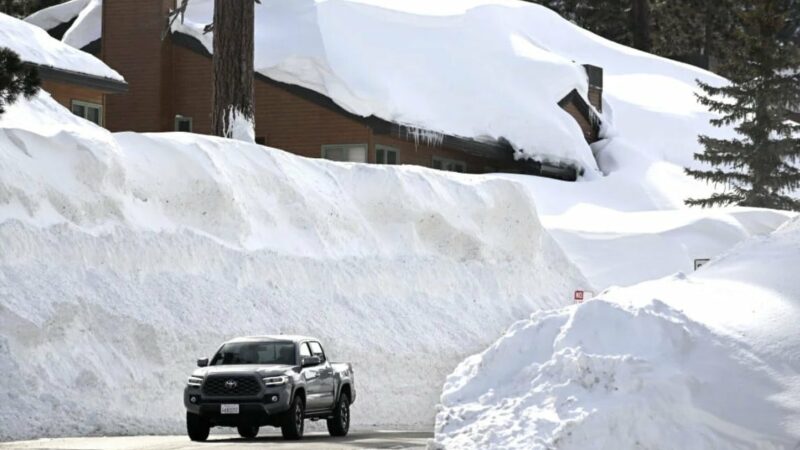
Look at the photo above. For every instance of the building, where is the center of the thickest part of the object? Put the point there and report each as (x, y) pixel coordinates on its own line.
(75, 79)
(170, 79)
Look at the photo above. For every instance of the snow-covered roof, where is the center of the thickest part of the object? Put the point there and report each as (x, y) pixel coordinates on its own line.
(459, 67)
(472, 68)
(35, 46)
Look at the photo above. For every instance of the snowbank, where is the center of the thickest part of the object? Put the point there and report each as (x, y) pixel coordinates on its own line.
(708, 360)
(34, 45)
(126, 256)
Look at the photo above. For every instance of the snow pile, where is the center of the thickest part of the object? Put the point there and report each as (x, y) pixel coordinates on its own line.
(709, 360)
(34, 45)
(126, 256)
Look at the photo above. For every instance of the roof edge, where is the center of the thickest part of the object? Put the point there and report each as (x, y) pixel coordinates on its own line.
(107, 85)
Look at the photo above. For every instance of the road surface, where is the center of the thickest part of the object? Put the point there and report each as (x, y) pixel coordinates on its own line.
(312, 441)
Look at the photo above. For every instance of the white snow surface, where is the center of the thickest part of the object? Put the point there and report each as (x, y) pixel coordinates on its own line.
(709, 360)
(424, 64)
(53, 16)
(34, 45)
(126, 256)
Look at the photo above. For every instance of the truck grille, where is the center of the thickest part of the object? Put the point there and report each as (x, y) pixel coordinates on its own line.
(221, 385)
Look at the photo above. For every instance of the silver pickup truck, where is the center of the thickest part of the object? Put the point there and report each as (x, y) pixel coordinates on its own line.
(268, 380)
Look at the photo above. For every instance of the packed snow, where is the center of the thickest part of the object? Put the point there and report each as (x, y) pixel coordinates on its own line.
(707, 360)
(126, 256)
(34, 45)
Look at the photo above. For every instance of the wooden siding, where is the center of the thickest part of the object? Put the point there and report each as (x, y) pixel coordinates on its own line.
(65, 93)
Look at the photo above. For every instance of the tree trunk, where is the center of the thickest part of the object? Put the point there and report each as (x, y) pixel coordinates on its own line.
(233, 111)
(641, 25)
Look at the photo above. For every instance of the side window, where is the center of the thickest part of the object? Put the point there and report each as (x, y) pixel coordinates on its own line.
(386, 155)
(351, 153)
(183, 123)
(304, 351)
(92, 112)
(316, 350)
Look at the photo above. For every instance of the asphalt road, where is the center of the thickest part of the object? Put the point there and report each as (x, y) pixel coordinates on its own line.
(312, 441)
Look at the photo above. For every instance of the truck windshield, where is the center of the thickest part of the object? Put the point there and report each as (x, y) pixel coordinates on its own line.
(255, 353)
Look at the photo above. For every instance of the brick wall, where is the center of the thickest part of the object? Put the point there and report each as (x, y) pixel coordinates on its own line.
(132, 45)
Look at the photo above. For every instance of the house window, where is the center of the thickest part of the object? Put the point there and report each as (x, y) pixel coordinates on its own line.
(386, 155)
(89, 111)
(449, 165)
(350, 153)
(183, 123)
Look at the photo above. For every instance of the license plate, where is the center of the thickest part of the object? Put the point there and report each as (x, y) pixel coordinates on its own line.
(229, 409)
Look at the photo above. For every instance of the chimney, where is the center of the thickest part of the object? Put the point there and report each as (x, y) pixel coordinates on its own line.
(131, 44)
(595, 75)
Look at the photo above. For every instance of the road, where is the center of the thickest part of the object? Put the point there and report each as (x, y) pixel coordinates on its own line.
(312, 441)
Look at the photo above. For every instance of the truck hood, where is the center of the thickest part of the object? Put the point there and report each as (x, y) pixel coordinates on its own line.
(247, 369)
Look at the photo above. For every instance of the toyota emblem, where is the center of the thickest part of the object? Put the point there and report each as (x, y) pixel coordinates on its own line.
(231, 384)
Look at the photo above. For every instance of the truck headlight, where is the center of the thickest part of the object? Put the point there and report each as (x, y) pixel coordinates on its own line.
(276, 381)
(195, 381)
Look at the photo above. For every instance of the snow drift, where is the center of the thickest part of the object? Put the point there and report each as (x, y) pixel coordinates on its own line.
(126, 256)
(709, 360)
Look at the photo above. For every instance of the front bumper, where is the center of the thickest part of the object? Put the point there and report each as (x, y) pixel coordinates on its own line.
(256, 410)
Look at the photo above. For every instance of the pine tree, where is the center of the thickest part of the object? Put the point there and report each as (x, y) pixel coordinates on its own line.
(24, 8)
(233, 68)
(759, 167)
(15, 79)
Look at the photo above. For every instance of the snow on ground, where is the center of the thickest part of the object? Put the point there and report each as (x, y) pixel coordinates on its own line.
(708, 360)
(126, 256)
(34, 45)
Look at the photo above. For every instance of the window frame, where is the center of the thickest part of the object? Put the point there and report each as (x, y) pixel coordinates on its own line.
(179, 117)
(86, 105)
(387, 148)
(326, 147)
(443, 161)
(322, 350)
(300, 349)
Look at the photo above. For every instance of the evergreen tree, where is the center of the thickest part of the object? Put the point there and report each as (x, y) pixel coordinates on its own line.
(759, 167)
(695, 31)
(24, 8)
(15, 79)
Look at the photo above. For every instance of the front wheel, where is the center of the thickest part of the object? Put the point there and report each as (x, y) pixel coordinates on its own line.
(247, 431)
(197, 427)
(294, 420)
(339, 424)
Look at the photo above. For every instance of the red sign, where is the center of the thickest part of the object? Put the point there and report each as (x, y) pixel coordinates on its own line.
(578, 296)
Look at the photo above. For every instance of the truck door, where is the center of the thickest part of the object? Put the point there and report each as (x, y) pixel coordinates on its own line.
(327, 382)
(313, 380)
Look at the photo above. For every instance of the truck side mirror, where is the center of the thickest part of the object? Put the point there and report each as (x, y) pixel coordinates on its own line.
(309, 361)
(202, 362)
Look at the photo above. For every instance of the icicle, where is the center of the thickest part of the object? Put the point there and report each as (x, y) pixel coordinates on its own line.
(428, 137)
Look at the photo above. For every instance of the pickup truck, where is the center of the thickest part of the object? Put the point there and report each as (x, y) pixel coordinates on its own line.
(277, 381)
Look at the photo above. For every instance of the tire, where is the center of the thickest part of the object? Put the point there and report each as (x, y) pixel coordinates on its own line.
(196, 427)
(339, 424)
(294, 420)
(247, 431)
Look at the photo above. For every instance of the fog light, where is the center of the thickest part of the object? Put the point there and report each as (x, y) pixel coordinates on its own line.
(274, 398)
(193, 399)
